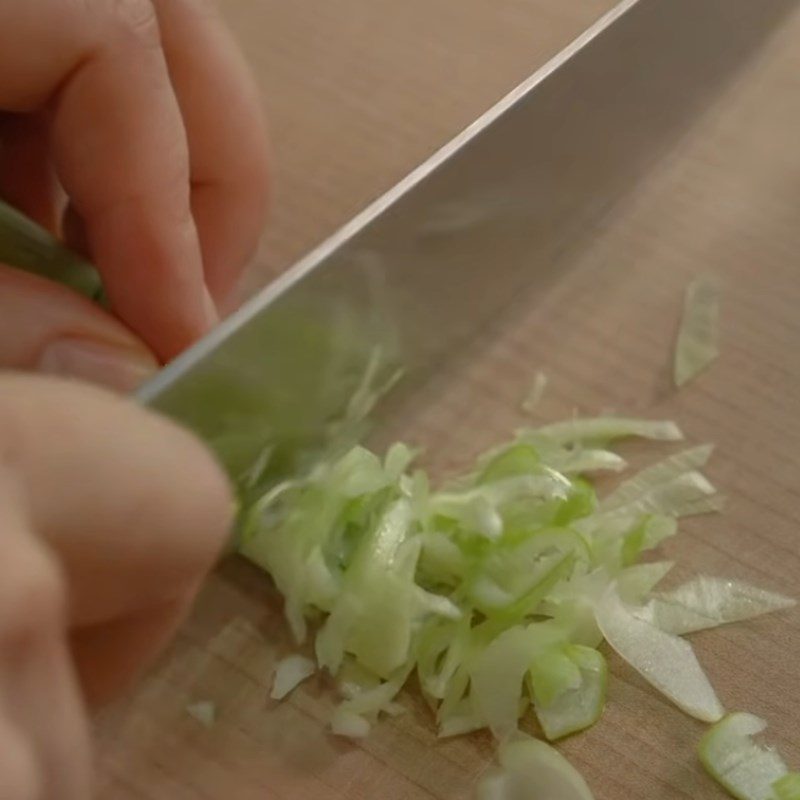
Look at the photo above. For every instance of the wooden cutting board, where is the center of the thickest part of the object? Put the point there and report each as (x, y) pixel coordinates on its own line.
(359, 91)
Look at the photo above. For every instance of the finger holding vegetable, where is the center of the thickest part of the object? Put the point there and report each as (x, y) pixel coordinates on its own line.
(132, 128)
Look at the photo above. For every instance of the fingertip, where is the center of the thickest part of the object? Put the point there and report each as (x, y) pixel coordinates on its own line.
(122, 369)
(49, 328)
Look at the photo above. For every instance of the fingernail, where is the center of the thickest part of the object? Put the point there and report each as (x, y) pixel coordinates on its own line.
(119, 368)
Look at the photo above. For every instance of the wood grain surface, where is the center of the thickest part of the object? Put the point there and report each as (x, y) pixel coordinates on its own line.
(359, 91)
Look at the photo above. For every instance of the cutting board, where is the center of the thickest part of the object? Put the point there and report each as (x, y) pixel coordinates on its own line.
(359, 91)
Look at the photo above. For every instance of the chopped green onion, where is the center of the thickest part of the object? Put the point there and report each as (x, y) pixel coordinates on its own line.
(26, 245)
(744, 768)
(289, 673)
(496, 589)
(706, 602)
(658, 474)
(579, 705)
(787, 787)
(204, 711)
(532, 770)
(607, 429)
(534, 396)
(636, 582)
(346, 723)
(697, 344)
(667, 662)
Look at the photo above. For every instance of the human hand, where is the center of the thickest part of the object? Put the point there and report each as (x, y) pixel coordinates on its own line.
(143, 111)
(109, 517)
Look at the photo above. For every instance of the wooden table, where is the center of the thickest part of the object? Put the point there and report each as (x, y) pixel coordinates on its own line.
(359, 91)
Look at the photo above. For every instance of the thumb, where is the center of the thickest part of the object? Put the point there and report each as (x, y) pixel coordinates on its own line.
(49, 328)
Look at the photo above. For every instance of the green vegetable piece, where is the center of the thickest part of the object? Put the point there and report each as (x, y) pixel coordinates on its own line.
(581, 502)
(551, 674)
(580, 705)
(745, 769)
(697, 344)
(532, 770)
(667, 662)
(787, 787)
(497, 675)
(28, 246)
(519, 459)
(608, 429)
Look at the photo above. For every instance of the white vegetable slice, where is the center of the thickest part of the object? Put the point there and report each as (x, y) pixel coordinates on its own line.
(706, 602)
(346, 723)
(656, 474)
(204, 711)
(745, 769)
(636, 582)
(493, 786)
(289, 673)
(697, 345)
(666, 661)
(532, 770)
(683, 496)
(589, 460)
(457, 724)
(711, 504)
(534, 396)
(369, 702)
(606, 429)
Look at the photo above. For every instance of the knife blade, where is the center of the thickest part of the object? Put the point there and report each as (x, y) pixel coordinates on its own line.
(489, 218)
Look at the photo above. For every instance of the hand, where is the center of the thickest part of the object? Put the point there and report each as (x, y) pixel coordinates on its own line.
(109, 517)
(144, 113)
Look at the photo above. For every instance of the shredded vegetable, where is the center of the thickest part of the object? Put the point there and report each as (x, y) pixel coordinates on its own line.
(532, 770)
(609, 429)
(707, 602)
(289, 673)
(667, 662)
(747, 770)
(346, 723)
(697, 344)
(580, 704)
(495, 590)
(534, 396)
(658, 474)
(204, 711)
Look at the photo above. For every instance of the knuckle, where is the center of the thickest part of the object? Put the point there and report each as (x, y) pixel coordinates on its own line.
(135, 19)
(201, 8)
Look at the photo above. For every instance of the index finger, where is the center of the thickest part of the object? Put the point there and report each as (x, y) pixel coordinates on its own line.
(120, 151)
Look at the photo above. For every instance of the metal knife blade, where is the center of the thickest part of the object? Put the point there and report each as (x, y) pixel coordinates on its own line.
(501, 207)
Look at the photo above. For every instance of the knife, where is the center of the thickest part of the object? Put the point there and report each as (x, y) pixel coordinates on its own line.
(484, 223)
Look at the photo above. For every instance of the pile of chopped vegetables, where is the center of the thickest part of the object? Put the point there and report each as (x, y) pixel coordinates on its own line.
(497, 590)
